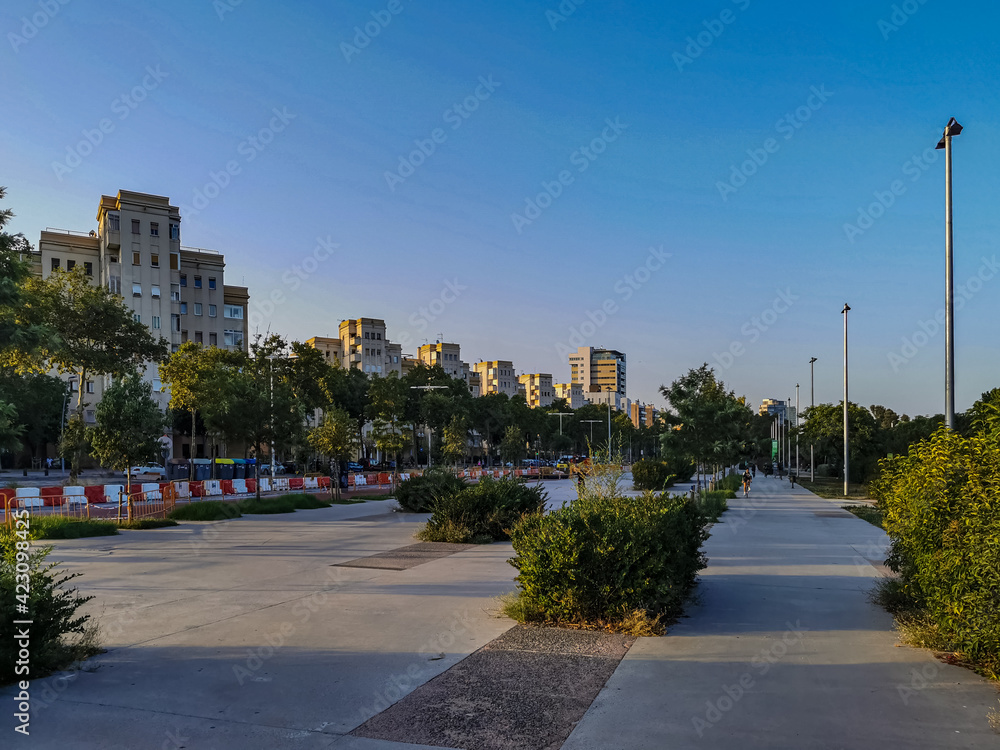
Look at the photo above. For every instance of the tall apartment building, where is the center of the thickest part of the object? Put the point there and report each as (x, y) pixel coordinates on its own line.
(597, 370)
(496, 376)
(179, 293)
(362, 345)
(538, 390)
(447, 356)
(643, 414)
(571, 392)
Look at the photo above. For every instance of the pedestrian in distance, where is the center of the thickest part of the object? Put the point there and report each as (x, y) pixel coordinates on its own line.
(754, 468)
(747, 478)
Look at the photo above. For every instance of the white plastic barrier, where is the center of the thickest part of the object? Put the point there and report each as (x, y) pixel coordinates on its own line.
(240, 486)
(359, 480)
(183, 489)
(265, 484)
(151, 491)
(212, 487)
(29, 497)
(280, 484)
(74, 496)
(112, 491)
(403, 477)
(310, 483)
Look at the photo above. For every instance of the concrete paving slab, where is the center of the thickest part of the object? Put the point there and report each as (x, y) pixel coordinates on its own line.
(784, 650)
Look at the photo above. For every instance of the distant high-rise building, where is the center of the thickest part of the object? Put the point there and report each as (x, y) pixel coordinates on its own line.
(598, 370)
(496, 376)
(362, 345)
(538, 390)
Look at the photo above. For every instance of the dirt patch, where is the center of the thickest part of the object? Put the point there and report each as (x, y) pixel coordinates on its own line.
(526, 690)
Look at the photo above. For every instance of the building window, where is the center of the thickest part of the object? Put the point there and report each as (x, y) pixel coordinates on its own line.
(378, 336)
(155, 291)
(88, 416)
(156, 323)
(213, 339)
(114, 222)
(135, 226)
(90, 386)
(197, 308)
(184, 337)
(184, 308)
(175, 261)
(184, 279)
(115, 284)
(198, 337)
(70, 265)
(211, 282)
(367, 334)
(233, 338)
(55, 264)
(88, 268)
(137, 317)
(154, 260)
(136, 259)
(137, 290)
(154, 229)
(197, 282)
(175, 322)
(211, 311)
(175, 293)
(234, 312)
(175, 231)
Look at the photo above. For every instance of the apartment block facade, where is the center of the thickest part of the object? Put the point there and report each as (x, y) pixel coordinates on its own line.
(643, 415)
(539, 392)
(496, 376)
(571, 392)
(598, 370)
(179, 293)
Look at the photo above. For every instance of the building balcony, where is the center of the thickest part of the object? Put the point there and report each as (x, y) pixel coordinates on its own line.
(114, 239)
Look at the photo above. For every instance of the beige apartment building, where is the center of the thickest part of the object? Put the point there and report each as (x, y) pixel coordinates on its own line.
(179, 293)
(447, 356)
(597, 370)
(538, 390)
(643, 414)
(572, 393)
(363, 345)
(496, 376)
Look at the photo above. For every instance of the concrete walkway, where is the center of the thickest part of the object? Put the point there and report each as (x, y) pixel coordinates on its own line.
(784, 650)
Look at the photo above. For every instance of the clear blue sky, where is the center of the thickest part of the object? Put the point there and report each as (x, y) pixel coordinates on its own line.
(691, 113)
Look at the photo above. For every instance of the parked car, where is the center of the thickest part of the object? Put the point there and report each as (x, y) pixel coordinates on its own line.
(265, 469)
(148, 469)
(354, 467)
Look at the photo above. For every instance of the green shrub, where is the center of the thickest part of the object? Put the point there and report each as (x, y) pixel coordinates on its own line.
(733, 482)
(306, 501)
(602, 560)
(148, 523)
(267, 505)
(58, 527)
(59, 635)
(712, 504)
(651, 475)
(211, 510)
(941, 510)
(418, 494)
(869, 513)
(482, 513)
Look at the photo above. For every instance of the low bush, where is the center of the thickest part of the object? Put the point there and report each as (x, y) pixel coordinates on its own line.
(211, 510)
(651, 475)
(869, 513)
(59, 635)
(482, 513)
(306, 501)
(59, 527)
(733, 482)
(941, 508)
(606, 561)
(418, 494)
(712, 504)
(267, 505)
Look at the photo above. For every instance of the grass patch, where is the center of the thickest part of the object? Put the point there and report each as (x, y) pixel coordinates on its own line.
(712, 503)
(870, 513)
(366, 498)
(282, 504)
(148, 523)
(57, 527)
(834, 490)
(638, 623)
(212, 510)
(346, 501)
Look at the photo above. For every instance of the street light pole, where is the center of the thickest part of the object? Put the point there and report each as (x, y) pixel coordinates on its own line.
(62, 460)
(951, 130)
(812, 402)
(847, 429)
(796, 430)
(591, 422)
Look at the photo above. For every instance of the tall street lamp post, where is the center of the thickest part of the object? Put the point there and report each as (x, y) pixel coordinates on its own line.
(796, 430)
(591, 422)
(847, 455)
(950, 131)
(72, 379)
(812, 402)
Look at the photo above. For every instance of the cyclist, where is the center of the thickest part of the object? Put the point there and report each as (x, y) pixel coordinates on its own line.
(747, 478)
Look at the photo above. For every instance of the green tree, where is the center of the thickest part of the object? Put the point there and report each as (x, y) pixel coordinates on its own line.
(455, 442)
(22, 334)
(96, 336)
(335, 437)
(387, 410)
(38, 400)
(198, 381)
(823, 425)
(512, 446)
(129, 424)
(348, 389)
(490, 417)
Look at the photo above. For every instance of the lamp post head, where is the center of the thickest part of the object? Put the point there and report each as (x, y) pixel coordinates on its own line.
(950, 130)
(846, 309)
(811, 361)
